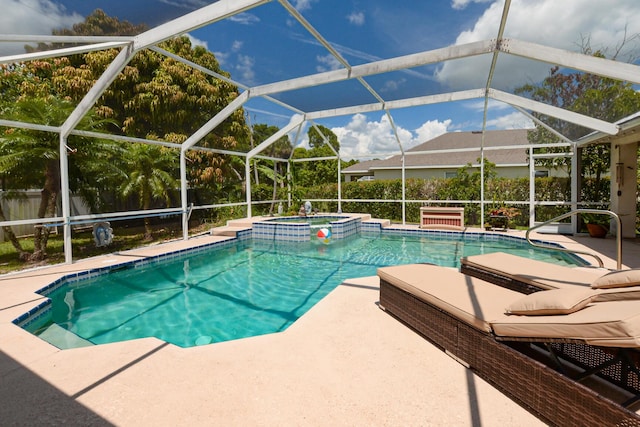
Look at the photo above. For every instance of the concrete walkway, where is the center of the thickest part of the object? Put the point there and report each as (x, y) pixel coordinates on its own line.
(345, 362)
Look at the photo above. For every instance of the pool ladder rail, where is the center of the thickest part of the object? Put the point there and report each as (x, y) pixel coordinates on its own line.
(584, 211)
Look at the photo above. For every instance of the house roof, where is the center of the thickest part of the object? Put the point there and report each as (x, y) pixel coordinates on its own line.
(427, 154)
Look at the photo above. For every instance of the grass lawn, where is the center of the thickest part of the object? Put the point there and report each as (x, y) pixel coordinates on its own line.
(124, 238)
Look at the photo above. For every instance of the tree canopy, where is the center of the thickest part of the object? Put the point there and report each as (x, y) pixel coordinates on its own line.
(316, 140)
(584, 93)
(154, 97)
(307, 174)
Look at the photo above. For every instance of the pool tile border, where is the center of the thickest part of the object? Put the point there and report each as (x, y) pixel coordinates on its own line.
(281, 229)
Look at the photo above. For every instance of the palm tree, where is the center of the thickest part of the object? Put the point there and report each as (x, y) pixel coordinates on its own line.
(150, 177)
(31, 159)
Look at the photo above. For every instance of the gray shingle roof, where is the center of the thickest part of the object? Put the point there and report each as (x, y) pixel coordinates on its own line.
(457, 140)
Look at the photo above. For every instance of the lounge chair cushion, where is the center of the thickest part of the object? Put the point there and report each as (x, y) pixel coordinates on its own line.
(609, 324)
(466, 298)
(541, 274)
(618, 279)
(617, 294)
(555, 301)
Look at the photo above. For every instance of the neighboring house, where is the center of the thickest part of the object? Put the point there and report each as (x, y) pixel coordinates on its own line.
(510, 162)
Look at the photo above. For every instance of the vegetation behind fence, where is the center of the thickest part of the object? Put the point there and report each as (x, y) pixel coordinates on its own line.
(439, 191)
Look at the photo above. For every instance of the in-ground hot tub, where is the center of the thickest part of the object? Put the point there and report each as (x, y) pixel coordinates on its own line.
(300, 228)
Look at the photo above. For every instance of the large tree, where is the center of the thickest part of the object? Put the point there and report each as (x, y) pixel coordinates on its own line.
(158, 97)
(154, 97)
(316, 140)
(307, 174)
(592, 95)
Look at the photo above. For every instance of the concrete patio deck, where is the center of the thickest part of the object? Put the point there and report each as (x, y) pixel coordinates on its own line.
(345, 362)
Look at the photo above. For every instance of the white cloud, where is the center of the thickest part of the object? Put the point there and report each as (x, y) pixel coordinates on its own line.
(561, 24)
(301, 5)
(327, 63)
(361, 137)
(461, 4)
(245, 67)
(392, 85)
(356, 18)
(478, 105)
(236, 45)
(185, 4)
(431, 129)
(197, 42)
(222, 57)
(244, 18)
(32, 17)
(513, 120)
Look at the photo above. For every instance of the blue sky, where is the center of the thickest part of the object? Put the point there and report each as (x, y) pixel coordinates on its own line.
(266, 44)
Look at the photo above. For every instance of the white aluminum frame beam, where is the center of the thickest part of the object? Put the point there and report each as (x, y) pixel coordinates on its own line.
(574, 60)
(550, 110)
(401, 103)
(98, 88)
(39, 38)
(295, 121)
(220, 76)
(378, 67)
(112, 71)
(215, 121)
(61, 52)
(336, 152)
(196, 137)
(313, 159)
(543, 124)
(294, 12)
(198, 18)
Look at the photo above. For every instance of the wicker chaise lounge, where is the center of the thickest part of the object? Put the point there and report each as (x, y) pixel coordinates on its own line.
(462, 314)
(527, 275)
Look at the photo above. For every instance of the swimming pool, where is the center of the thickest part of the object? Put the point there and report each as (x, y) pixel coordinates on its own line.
(247, 288)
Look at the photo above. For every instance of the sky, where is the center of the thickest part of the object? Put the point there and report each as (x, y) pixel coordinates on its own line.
(266, 44)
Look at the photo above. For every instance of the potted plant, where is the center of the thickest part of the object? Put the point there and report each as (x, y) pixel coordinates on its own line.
(500, 217)
(597, 225)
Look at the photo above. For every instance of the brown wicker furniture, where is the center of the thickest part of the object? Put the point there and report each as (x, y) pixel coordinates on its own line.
(454, 312)
(527, 275)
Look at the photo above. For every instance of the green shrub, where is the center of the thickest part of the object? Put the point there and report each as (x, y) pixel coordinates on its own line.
(497, 191)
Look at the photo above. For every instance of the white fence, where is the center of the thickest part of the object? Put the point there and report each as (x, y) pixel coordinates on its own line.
(27, 208)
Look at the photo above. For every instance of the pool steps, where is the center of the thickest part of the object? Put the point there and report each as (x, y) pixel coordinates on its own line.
(227, 231)
(62, 338)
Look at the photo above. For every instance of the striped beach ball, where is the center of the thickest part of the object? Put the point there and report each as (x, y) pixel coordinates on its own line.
(324, 235)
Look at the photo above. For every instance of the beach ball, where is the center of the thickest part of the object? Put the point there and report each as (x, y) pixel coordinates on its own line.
(324, 235)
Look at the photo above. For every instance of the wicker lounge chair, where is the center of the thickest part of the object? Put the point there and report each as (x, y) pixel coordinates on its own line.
(457, 312)
(526, 275)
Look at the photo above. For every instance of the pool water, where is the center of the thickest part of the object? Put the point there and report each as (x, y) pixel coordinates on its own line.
(251, 288)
